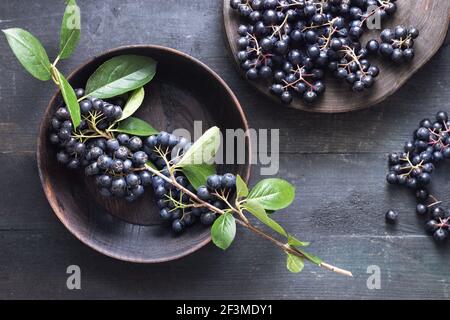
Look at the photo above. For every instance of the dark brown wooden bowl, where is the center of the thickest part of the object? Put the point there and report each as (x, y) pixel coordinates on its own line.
(430, 16)
(184, 90)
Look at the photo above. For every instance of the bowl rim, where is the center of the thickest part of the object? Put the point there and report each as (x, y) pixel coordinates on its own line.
(51, 197)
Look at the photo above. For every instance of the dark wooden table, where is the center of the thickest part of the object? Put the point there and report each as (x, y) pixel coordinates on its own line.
(337, 163)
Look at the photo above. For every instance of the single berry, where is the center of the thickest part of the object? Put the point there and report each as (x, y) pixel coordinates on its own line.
(391, 216)
(213, 182)
(208, 218)
(140, 158)
(421, 209)
(165, 214)
(440, 235)
(133, 180)
(135, 143)
(203, 193)
(177, 226)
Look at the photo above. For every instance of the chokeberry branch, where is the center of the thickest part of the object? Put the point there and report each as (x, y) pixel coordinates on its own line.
(411, 167)
(288, 5)
(350, 52)
(300, 71)
(435, 201)
(244, 223)
(278, 28)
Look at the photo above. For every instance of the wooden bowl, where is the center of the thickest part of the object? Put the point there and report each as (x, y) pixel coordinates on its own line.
(183, 90)
(430, 16)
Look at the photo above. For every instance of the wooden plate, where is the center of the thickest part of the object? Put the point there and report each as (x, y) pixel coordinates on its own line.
(430, 16)
(184, 90)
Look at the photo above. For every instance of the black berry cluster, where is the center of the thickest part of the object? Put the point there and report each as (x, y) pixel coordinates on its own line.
(396, 45)
(72, 149)
(414, 167)
(291, 43)
(118, 163)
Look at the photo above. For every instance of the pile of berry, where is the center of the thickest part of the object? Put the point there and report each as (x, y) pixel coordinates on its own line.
(291, 43)
(118, 162)
(414, 166)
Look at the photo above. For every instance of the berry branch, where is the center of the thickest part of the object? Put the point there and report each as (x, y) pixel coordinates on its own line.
(242, 220)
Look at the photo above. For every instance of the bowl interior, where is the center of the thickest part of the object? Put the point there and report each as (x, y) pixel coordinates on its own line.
(183, 91)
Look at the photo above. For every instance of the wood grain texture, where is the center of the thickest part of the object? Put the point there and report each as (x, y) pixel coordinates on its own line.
(336, 161)
(429, 16)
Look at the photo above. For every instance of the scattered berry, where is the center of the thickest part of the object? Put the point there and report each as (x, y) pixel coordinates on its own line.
(391, 216)
(414, 166)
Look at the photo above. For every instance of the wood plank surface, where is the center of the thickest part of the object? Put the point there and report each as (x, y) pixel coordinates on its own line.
(337, 163)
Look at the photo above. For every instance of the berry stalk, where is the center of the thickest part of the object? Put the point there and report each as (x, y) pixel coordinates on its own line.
(243, 221)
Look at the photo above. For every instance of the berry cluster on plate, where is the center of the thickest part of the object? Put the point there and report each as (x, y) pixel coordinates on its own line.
(414, 167)
(290, 44)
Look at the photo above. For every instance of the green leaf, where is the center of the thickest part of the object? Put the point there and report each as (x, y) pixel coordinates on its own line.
(223, 231)
(241, 187)
(198, 173)
(312, 258)
(255, 208)
(70, 30)
(119, 75)
(30, 53)
(151, 165)
(137, 127)
(203, 150)
(294, 264)
(294, 242)
(133, 103)
(70, 98)
(273, 194)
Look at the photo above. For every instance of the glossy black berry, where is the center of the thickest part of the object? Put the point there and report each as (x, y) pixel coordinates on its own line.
(85, 106)
(203, 193)
(208, 218)
(422, 194)
(104, 181)
(431, 226)
(62, 157)
(79, 92)
(139, 158)
(123, 138)
(165, 214)
(132, 180)
(121, 153)
(92, 169)
(437, 213)
(392, 178)
(177, 226)
(440, 235)
(391, 216)
(421, 209)
(146, 178)
(373, 46)
(112, 144)
(135, 143)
